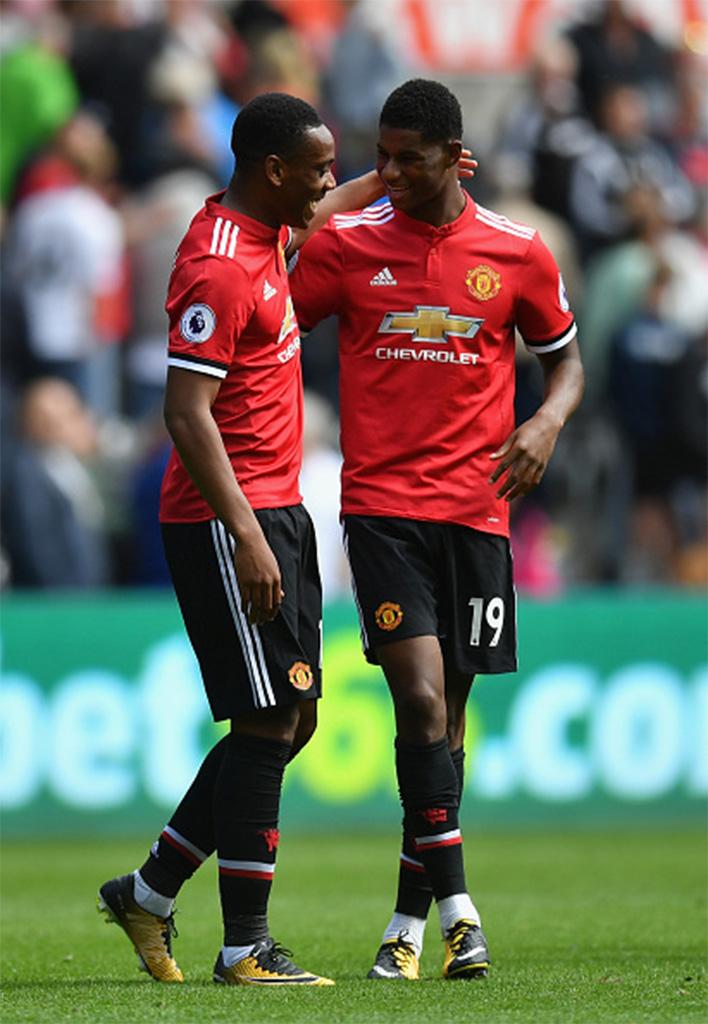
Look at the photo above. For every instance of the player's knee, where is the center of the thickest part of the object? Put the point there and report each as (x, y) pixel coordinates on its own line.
(278, 723)
(421, 715)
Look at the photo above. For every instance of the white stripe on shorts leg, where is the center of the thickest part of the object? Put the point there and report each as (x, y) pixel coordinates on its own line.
(261, 657)
(252, 632)
(357, 602)
(222, 554)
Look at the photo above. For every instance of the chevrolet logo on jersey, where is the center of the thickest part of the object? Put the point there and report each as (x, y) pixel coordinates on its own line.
(431, 323)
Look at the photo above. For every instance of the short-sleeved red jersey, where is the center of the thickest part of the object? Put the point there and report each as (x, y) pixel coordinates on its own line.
(231, 316)
(427, 343)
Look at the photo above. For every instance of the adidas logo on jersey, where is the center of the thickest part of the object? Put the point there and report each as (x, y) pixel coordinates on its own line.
(268, 290)
(383, 277)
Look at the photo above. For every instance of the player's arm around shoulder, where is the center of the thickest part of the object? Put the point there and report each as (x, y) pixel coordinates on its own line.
(355, 195)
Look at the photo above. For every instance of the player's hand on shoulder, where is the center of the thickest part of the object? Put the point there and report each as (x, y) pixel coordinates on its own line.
(523, 457)
(259, 579)
(467, 166)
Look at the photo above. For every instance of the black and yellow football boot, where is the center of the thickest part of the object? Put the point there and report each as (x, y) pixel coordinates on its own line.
(268, 963)
(395, 960)
(150, 935)
(466, 952)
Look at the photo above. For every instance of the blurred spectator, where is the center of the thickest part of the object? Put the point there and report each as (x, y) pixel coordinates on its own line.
(53, 516)
(148, 566)
(111, 56)
(190, 87)
(362, 53)
(688, 135)
(279, 60)
(622, 157)
(545, 131)
(618, 279)
(183, 169)
(535, 542)
(644, 352)
(156, 217)
(614, 49)
(37, 95)
(65, 257)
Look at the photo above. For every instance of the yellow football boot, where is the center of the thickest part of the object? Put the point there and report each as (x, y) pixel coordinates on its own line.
(396, 959)
(150, 935)
(267, 964)
(466, 953)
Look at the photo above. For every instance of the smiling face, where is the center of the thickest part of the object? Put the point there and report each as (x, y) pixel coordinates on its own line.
(306, 177)
(418, 175)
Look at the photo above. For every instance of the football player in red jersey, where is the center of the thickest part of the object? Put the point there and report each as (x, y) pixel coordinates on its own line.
(239, 543)
(430, 288)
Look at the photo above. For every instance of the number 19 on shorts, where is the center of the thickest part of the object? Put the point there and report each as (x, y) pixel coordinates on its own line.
(491, 612)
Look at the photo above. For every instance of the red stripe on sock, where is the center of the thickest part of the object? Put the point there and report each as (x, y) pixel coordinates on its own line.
(187, 854)
(444, 842)
(413, 867)
(240, 873)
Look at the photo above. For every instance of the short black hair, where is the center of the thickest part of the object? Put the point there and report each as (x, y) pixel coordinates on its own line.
(273, 122)
(424, 106)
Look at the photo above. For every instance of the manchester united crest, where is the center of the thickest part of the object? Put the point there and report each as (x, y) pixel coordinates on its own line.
(300, 675)
(483, 282)
(388, 616)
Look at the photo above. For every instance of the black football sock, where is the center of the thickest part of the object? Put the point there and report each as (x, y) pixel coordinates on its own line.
(188, 838)
(414, 891)
(246, 816)
(429, 789)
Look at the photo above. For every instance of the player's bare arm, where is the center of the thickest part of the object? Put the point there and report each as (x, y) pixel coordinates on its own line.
(355, 195)
(189, 397)
(524, 455)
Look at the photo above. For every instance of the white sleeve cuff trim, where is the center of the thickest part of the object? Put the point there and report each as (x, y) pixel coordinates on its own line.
(185, 364)
(558, 343)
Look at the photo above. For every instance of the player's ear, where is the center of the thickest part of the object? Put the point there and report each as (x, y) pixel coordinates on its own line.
(454, 152)
(274, 169)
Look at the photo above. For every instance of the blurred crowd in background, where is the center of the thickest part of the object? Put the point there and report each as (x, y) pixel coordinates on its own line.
(116, 121)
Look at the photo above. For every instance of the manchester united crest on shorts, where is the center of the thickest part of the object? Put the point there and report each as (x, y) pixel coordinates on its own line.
(483, 282)
(388, 616)
(300, 675)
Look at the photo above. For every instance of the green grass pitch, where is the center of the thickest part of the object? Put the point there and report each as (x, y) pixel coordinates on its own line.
(588, 927)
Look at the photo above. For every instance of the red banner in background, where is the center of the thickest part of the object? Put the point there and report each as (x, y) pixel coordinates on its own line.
(479, 36)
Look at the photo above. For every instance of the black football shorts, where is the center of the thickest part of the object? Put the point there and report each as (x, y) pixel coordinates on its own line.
(416, 578)
(246, 667)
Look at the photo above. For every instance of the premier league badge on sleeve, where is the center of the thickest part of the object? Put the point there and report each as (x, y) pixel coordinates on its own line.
(197, 323)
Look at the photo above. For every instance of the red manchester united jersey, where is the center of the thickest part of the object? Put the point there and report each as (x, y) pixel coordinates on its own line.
(427, 341)
(231, 316)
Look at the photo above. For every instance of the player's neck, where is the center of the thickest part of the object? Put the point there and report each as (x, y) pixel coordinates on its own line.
(243, 199)
(443, 208)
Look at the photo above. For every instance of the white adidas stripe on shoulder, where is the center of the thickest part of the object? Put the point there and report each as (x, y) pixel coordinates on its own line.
(371, 215)
(375, 210)
(501, 223)
(223, 238)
